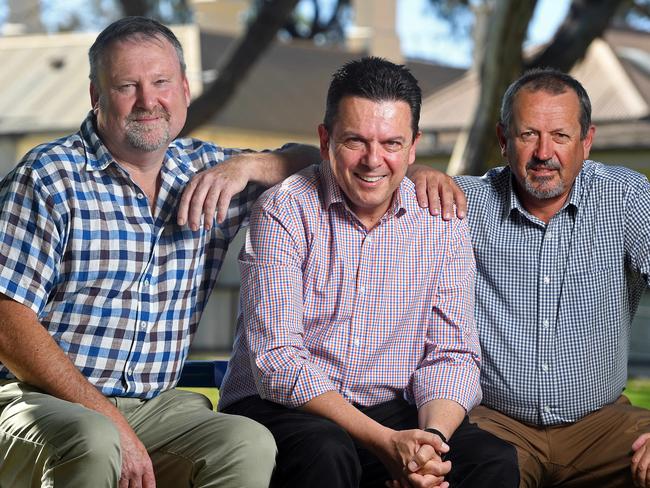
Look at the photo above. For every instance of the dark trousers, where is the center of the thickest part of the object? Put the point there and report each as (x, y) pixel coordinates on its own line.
(316, 452)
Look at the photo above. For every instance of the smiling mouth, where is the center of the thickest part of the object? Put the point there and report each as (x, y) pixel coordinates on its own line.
(369, 179)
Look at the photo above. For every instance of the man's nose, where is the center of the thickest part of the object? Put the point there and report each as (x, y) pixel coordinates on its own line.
(544, 149)
(373, 155)
(146, 98)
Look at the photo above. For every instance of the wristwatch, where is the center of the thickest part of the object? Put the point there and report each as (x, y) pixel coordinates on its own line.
(431, 430)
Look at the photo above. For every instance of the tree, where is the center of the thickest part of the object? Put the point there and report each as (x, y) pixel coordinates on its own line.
(260, 34)
(503, 63)
(166, 11)
(331, 28)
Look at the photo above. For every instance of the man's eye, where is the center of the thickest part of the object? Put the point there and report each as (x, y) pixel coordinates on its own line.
(561, 137)
(393, 145)
(353, 142)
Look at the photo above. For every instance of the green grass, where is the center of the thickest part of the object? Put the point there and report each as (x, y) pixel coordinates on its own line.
(211, 393)
(638, 391)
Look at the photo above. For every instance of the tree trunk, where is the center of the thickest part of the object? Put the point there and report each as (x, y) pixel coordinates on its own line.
(478, 150)
(135, 7)
(585, 21)
(501, 64)
(259, 36)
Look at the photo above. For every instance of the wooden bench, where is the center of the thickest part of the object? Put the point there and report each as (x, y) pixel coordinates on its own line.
(203, 374)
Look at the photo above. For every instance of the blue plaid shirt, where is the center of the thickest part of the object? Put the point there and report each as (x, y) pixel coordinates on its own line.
(555, 302)
(120, 290)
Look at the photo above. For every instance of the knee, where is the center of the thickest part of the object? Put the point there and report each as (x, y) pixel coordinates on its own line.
(96, 437)
(249, 456)
(92, 446)
(331, 447)
(256, 441)
(500, 459)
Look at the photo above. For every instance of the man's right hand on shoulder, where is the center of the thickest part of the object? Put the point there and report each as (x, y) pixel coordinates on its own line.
(211, 190)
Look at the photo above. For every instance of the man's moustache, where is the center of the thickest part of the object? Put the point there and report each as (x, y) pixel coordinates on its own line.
(543, 163)
(133, 116)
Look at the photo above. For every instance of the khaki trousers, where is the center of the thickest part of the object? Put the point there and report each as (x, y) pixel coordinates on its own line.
(48, 442)
(596, 451)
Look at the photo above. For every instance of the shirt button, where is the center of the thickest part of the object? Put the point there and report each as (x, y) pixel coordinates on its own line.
(147, 282)
(547, 409)
(129, 372)
(545, 367)
(362, 290)
(143, 325)
(547, 280)
(549, 235)
(546, 323)
(356, 342)
(140, 196)
(369, 239)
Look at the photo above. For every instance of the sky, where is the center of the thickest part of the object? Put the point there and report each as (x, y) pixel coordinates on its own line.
(422, 34)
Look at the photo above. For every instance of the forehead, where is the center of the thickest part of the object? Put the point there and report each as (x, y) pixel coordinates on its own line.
(545, 105)
(140, 49)
(359, 112)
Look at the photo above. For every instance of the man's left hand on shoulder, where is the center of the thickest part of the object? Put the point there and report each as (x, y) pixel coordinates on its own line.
(641, 461)
(437, 191)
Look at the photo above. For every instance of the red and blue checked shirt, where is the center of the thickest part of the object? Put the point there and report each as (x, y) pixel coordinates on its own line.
(120, 290)
(374, 315)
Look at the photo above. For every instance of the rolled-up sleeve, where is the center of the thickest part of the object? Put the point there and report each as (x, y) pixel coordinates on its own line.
(451, 366)
(30, 243)
(272, 311)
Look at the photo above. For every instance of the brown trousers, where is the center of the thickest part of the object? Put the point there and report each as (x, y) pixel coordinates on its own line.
(596, 451)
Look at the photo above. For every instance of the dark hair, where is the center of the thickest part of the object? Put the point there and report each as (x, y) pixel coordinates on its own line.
(552, 81)
(375, 79)
(130, 28)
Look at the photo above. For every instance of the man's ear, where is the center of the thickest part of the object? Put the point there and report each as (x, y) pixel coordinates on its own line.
(94, 97)
(186, 91)
(503, 139)
(587, 142)
(416, 139)
(324, 137)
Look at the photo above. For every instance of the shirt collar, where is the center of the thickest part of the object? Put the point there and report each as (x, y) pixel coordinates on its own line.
(97, 155)
(515, 204)
(332, 193)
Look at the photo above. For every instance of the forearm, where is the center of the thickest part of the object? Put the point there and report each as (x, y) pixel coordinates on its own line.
(29, 352)
(443, 415)
(361, 428)
(270, 168)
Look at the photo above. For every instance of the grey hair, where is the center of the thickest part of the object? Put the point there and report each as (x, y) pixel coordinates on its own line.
(134, 27)
(552, 81)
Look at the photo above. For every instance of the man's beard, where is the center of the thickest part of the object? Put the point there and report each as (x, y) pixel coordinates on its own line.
(537, 185)
(145, 137)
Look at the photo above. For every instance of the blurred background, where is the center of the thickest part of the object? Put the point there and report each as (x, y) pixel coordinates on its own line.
(259, 70)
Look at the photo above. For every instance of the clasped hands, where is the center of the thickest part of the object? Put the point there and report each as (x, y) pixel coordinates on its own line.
(414, 459)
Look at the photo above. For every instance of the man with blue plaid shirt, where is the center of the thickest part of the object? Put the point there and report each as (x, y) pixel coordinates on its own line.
(101, 289)
(562, 246)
